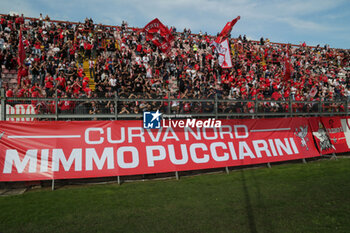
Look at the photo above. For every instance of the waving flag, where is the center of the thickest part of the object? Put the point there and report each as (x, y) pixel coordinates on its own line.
(223, 50)
(159, 34)
(227, 30)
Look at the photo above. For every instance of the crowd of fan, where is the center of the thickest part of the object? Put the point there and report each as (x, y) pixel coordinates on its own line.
(123, 63)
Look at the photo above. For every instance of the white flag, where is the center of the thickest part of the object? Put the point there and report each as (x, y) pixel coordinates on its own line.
(224, 54)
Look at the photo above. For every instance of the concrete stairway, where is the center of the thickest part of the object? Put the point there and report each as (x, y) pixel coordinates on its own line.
(87, 73)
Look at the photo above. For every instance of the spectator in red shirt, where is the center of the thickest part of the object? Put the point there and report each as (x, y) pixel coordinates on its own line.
(88, 48)
(9, 93)
(49, 85)
(37, 48)
(65, 106)
(22, 72)
(76, 86)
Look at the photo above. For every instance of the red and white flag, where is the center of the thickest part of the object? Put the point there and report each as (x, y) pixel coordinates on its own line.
(226, 30)
(224, 52)
(313, 92)
(159, 34)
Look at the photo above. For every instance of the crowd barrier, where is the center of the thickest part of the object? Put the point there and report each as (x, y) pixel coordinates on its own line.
(44, 150)
(32, 109)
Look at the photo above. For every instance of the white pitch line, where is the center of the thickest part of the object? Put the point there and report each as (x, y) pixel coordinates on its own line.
(44, 136)
(268, 130)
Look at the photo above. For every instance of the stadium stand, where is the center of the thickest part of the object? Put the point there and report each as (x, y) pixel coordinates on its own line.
(77, 60)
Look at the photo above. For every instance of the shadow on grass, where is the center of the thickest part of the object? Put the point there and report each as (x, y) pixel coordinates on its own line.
(248, 205)
(268, 226)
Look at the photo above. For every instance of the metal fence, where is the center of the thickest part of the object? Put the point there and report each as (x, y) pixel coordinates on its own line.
(28, 109)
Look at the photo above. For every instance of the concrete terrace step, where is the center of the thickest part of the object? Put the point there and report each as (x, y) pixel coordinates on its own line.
(9, 78)
(6, 71)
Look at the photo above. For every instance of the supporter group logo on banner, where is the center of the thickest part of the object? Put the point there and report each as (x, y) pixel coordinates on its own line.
(324, 141)
(301, 132)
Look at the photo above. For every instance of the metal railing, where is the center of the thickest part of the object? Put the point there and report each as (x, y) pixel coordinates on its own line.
(16, 109)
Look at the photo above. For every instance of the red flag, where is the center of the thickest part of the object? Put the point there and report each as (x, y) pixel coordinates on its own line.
(287, 69)
(227, 30)
(21, 52)
(20, 59)
(159, 34)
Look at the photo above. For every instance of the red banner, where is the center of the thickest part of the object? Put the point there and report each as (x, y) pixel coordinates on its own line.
(66, 150)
